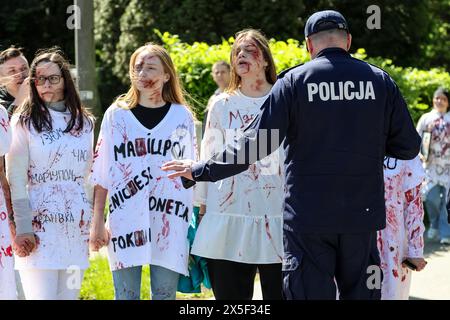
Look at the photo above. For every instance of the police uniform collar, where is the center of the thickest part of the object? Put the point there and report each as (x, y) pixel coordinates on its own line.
(332, 51)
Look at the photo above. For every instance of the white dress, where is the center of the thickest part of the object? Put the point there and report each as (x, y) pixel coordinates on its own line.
(244, 213)
(58, 168)
(437, 167)
(403, 235)
(7, 280)
(149, 214)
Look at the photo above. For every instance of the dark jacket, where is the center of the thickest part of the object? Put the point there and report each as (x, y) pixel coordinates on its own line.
(6, 100)
(339, 117)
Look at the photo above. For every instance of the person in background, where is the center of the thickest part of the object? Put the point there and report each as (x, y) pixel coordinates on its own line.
(14, 85)
(434, 128)
(221, 76)
(14, 89)
(401, 243)
(7, 278)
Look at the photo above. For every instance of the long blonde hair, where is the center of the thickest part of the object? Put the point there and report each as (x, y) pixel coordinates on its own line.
(263, 44)
(172, 90)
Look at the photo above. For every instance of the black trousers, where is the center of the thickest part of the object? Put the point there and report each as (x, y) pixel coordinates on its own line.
(235, 281)
(314, 263)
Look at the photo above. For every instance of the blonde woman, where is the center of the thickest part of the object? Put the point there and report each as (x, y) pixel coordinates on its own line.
(149, 214)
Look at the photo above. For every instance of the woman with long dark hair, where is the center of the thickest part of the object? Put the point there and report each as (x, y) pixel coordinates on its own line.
(47, 168)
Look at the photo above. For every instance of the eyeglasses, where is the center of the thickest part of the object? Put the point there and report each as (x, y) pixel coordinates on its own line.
(53, 79)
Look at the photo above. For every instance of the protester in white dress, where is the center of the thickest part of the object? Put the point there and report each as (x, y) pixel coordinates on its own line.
(402, 239)
(47, 168)
(149, 214)
(241, 231)
(7, 279)
(434, 128)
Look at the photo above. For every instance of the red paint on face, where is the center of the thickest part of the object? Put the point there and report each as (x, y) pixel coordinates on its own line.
(149, 83)
(395, 273)
(245, 66)
(254, 51)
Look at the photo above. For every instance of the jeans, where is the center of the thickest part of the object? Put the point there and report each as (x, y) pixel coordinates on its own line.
(127, 283)
(437, 213)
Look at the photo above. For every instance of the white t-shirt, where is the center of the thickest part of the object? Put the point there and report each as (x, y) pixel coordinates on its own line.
(149, 214)
(403, 235)
(7, 280)
(58, 168)
(244, 213)
(437, 167)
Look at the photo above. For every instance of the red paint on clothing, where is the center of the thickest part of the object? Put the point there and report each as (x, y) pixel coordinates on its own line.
(166, 227)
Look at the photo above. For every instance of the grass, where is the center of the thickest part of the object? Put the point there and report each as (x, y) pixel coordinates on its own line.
(98, 283)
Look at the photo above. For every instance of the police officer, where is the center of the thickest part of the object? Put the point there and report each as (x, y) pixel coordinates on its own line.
(339, 117)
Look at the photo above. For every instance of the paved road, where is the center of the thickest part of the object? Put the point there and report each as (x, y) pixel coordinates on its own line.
(433, 283)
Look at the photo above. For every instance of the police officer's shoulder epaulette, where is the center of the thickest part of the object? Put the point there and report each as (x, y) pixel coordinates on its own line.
(378, 67)
(283, 73)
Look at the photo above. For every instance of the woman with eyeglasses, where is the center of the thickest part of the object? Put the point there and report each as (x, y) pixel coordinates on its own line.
(434, 128)
(47, 167)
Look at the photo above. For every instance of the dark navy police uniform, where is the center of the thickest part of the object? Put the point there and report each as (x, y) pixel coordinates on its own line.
(337, 118)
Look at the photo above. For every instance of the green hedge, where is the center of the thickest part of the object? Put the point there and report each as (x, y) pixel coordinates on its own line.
(194, 61)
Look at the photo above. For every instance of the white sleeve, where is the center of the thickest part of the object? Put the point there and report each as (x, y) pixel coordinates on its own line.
(413, 212)
(212, 142)
(5, 131)
(17, 165)
(88, 187)
(100, 166)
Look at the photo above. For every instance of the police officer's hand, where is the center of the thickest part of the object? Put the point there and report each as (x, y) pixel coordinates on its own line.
(420, 263)
(182, 168)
